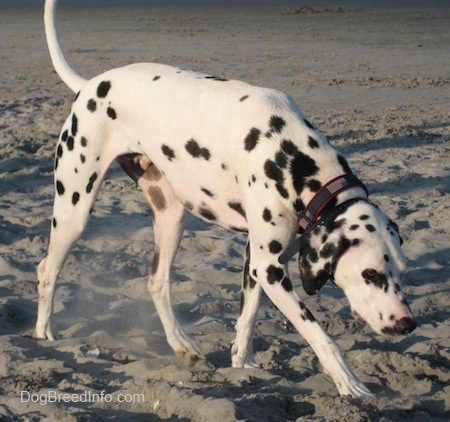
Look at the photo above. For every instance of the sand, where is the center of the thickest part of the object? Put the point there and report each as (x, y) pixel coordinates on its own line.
(373, 78)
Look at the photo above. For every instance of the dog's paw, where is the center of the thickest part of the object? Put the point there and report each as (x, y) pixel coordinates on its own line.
(354, 388)
(45, 333)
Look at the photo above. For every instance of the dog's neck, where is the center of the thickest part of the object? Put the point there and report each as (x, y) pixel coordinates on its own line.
(332, 199)
(327, 197)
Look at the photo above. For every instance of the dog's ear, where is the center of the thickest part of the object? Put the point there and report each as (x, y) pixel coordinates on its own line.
(318, 258)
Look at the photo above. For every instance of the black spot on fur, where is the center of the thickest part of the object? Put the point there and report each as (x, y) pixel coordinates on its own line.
(267, 215)
(252, 139)
(168, 152)
(70, 143)
(82, 158)
(275, 246)
(59, 151)
(60, 188)
(156, 77)
(363, 217)
(207, 213)
(90, 184)
(274, 274)
(54, 223)
(155, 263)
(74, 125)
(276, 124)
(354, 227)
(248, 281)
(237, 206)
(289, 147)
(75, 198)
(333, 225)
(64, 136)
(76, 96)
(243, 98)
(302, 166)
(377, 279)
(286, 283)
(344, 164)
(355, 242)
(386, 257)
(273, 172)
(189, 206)
(327, 250)
(370, 228)
(224, 166)
(299, 205)
(312, 142)
(103, 89)
(280, 159)
(111, 113)
(216, 78)
(308, 123)
(207, 192)
(282, 190)
(314, 185)
(194, 149)
(83, 141)
(92, 105)
(393, 226)
(306, 314)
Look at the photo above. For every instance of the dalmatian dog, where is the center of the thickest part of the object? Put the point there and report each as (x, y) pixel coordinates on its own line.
(242, 157)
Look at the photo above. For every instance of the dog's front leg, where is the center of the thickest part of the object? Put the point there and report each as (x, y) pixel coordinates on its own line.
(273, 278)
(276, 283)
(242, 351)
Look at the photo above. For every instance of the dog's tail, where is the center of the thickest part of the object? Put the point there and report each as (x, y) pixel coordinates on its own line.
(68, 75)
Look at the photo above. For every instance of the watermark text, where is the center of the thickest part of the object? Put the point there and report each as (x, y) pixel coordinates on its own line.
(52, 396)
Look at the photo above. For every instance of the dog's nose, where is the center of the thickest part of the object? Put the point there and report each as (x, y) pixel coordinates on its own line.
(405, 325)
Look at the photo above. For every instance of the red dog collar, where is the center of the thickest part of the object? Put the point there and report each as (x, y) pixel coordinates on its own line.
(315, 207)
(327, 193)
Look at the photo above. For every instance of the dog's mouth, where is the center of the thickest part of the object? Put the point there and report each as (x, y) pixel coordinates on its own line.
(402, 326)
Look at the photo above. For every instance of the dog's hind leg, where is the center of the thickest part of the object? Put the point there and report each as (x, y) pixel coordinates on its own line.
(168, 216)
(77, 182)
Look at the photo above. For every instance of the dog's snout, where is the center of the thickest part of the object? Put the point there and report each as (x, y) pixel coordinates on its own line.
(405, 325)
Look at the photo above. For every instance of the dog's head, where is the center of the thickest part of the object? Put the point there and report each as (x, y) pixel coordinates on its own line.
(360, 251)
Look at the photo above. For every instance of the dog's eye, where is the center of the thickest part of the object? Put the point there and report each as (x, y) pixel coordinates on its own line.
(369, 273)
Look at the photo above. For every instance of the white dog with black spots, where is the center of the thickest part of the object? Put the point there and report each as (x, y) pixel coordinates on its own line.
(242, 157)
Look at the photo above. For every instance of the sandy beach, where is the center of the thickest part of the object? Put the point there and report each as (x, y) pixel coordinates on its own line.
(374, 77)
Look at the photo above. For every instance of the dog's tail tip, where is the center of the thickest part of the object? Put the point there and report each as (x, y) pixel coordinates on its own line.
(68, 75)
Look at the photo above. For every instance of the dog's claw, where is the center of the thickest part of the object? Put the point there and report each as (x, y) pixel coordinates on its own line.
(355, 389)
(250, 365)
